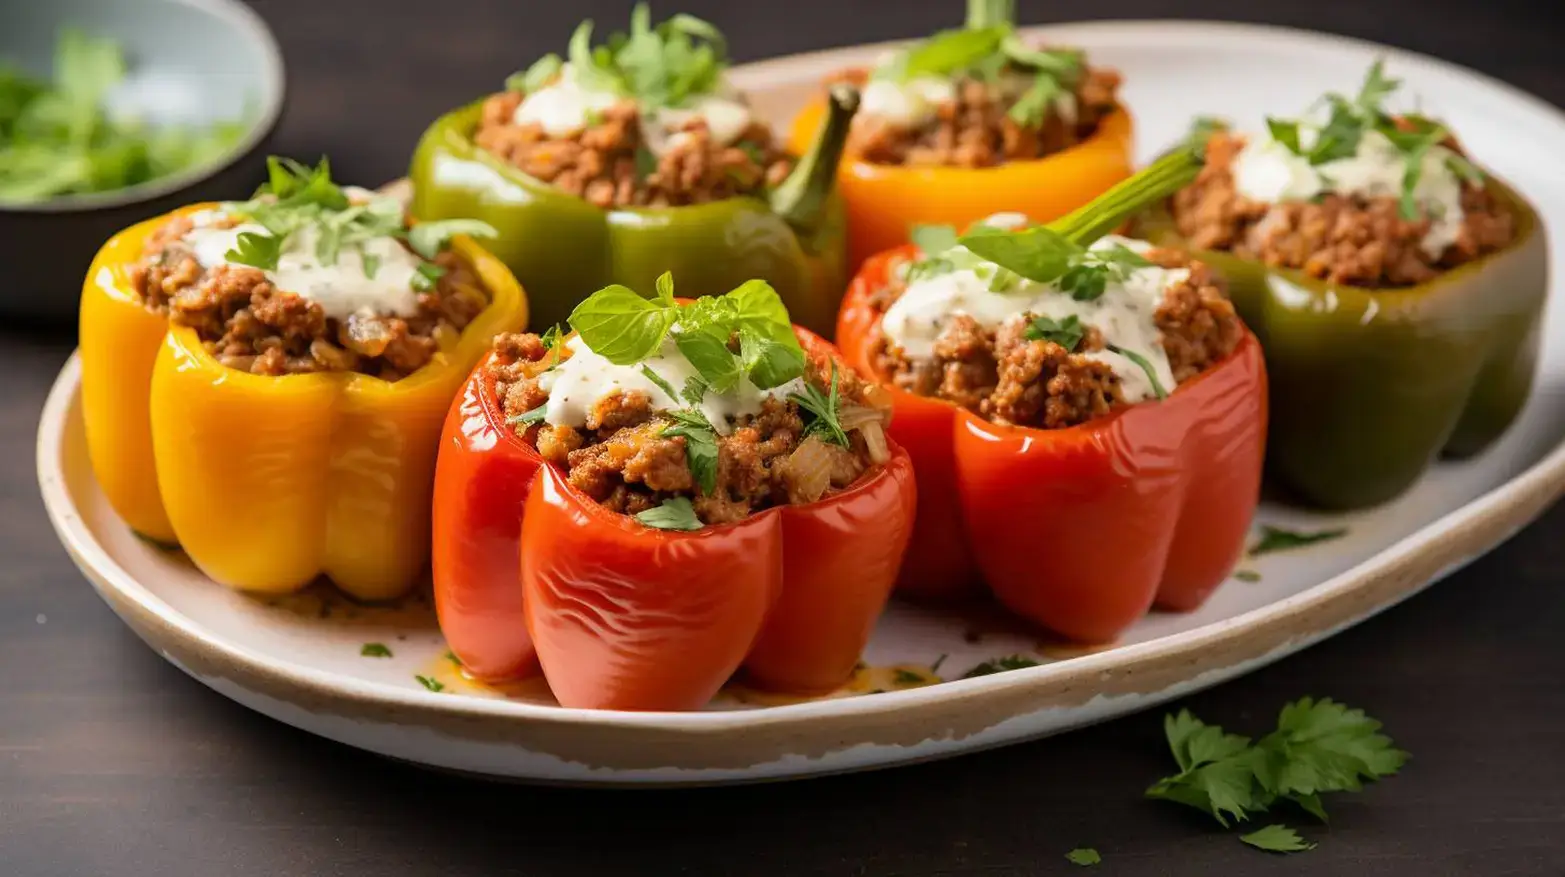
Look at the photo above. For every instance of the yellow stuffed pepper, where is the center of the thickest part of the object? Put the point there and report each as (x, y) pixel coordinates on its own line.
(264, 383)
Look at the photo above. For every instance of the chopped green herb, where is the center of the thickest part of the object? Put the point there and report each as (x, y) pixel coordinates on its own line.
(1279, 539)
(256, 250)
(700, 446)
(662, 384)
(1276, 839)
(1319, 746)
(428, 238)
(1000, 665)
(371, 265)
(550, 337)
(531, 418)
(935, 667)
(430, 683)
(455, 661)
(1084, 856)
(1067, 332)
(673, 514)
(660, 66)
(1144, 365)
(694, 390)
(537, 76)
(907, 677)
(824, 409)
(375, 650)
(1247, 575)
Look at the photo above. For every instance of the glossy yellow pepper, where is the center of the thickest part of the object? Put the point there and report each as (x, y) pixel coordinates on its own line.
(268, 482)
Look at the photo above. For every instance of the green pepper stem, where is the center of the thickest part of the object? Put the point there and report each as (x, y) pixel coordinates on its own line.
(983, 14)
(1151, 184)
(801, 198)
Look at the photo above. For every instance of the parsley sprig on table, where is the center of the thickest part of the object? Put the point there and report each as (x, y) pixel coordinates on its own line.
(297, 197)
(57, 137)
(1349, 119)
(661, 66)
(1319, 747)
(987, 47)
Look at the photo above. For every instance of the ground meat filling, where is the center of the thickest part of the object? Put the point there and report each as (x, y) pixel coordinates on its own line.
(600, 163)
(1006, 378)
(1342, 239)
(621, 459)
(975, 130)
(247, 323)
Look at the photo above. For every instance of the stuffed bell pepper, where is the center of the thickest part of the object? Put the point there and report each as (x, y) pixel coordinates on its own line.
(636, 157)
(667, 494)
(263, 382)
(970, 122)
(1395, 287)
(1086, 414)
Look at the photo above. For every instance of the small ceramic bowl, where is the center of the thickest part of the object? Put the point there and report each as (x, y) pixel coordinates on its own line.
(191, 62)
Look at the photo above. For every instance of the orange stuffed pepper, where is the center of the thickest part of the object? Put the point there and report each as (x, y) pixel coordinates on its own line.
(669, 493)
(970, 122)
(263, 383)
(1086, 414)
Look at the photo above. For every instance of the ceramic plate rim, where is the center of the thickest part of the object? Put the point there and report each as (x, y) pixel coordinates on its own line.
(1539, 483)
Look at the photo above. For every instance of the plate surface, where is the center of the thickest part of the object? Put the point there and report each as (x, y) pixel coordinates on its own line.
(300, 660)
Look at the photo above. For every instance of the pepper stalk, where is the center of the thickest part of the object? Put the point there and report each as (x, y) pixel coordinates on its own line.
(1151, 184)
(984, 14)
(801, 198)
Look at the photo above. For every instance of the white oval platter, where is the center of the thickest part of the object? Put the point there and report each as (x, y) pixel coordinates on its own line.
(299, 660)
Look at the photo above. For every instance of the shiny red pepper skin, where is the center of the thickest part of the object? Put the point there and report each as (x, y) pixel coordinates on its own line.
(1080, 530)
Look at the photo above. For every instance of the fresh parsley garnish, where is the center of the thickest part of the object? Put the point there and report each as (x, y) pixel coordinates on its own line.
(1247, 575)
(825, 410)
(375, 650)
(661, 66)
(1319, 747)
(1044, 255)
(1277, 839)
(625, 328)
(1067, 332)
(694, 390)
(426, 275)
(455, 661)
(1000, 665)
(700, 445)
(673, 514)
(1349, 120)
(1280, 539)
(256, 250)
(56, 138)
(984, 49)
(430, 683)
(1084, 856)
(1145, 365)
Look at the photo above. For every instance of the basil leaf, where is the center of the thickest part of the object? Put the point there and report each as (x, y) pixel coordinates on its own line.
(1037, 253)
(673, 514)
(707, 350)
(429, 238)
(760, 309)
(621, 326)
(933, 239)
(665, 288)
(769, 363)
(371, 265)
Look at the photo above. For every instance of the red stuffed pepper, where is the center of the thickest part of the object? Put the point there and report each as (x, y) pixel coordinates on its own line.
(1086, 414)
(670, 493)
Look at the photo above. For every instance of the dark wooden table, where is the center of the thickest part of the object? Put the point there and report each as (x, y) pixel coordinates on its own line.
(114, 763)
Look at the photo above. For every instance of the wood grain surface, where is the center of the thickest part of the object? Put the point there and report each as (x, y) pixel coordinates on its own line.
(113, 763)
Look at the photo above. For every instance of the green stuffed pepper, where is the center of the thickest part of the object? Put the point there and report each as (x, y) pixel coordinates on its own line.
(1395, 288)
(633, 158)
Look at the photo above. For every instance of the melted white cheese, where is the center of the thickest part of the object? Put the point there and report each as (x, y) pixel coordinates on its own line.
(341, 289)
(579, 383)
(910, 104)
(1124, 314)
(1267, 171)
(566, 107)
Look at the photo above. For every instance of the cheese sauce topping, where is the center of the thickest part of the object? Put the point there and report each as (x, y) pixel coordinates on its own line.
(585, 379)
(1267, 171)
(1125, 313)
(566, 107)
(342, 289)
